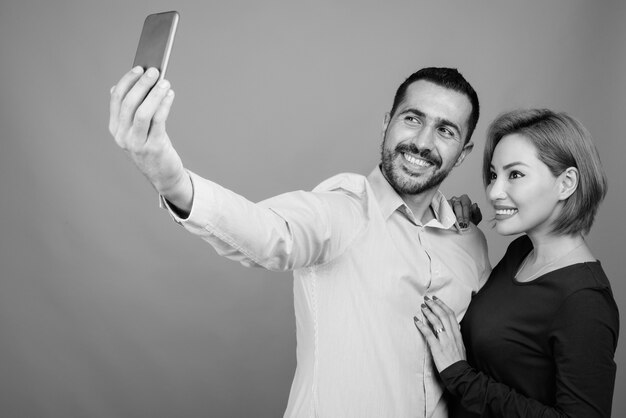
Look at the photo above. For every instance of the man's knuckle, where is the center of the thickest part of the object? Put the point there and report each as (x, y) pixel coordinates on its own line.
(158, 118)
(126, 107)
(116, 95)
(142, 118)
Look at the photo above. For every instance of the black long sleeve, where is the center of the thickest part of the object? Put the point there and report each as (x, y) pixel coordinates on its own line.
(538, 349)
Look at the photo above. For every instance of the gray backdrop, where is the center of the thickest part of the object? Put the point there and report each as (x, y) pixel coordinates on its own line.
(107, 308)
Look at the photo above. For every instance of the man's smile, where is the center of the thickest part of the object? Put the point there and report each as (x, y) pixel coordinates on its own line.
(417, 160)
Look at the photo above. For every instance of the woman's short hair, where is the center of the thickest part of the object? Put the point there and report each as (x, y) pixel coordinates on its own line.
(561, 142)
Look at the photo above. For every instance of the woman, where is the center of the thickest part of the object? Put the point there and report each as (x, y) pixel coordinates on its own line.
(541, 334)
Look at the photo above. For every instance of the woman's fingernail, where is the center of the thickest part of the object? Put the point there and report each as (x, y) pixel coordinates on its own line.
(415, 319)
(435, 298)
(426, 298)
(424, 306)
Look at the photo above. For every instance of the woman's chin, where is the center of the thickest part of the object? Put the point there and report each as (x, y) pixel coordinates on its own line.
(503, 229)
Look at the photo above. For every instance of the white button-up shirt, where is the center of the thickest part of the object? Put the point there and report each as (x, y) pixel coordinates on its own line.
(362, 265)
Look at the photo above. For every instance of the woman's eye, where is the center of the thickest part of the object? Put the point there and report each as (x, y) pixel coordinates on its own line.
(492, 176)
(515, 175)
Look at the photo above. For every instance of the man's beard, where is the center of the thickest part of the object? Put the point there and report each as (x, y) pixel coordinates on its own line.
(417, 185)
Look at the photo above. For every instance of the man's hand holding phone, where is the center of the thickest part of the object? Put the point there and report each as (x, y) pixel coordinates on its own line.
(138, 113)
(139, 107)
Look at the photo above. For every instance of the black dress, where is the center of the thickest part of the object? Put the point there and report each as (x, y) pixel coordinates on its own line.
(542, 348)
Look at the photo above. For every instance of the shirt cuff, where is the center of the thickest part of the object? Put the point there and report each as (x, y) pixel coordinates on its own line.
(175, 215)
(209, 204)
(164, 204)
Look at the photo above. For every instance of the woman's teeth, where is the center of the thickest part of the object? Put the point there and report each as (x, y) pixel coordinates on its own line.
(505, 211)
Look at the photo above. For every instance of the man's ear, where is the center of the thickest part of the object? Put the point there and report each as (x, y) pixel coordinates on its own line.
(568, 182)
(467, 148)
(386, 121)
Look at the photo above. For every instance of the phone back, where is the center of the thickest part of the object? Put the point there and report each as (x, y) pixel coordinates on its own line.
(155, 43)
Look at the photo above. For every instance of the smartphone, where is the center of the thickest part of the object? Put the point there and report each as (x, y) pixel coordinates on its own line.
(155, 42)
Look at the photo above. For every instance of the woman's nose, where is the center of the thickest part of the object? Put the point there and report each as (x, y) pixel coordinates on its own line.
(495, 190)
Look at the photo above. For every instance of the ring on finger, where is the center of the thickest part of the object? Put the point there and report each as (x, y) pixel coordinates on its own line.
(439, 331)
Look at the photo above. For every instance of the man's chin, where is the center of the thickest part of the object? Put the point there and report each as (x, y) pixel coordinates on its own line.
(407, 182)
(414, 183)
(411, 185)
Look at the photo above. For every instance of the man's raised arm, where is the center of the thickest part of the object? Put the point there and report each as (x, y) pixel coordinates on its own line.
(138, 113)
(287, 232)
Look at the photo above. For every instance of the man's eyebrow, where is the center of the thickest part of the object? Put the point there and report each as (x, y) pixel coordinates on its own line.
(413, 111)
(442, 121)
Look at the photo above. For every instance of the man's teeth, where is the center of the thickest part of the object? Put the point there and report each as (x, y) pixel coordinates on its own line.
(505, 211)
(416, 161)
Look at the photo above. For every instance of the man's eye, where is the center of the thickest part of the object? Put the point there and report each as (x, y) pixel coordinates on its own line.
(447, 132)
(412, 119)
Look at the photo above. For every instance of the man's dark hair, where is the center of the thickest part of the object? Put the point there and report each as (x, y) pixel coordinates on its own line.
(448, 78)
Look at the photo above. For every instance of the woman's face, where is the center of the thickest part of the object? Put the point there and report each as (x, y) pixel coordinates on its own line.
(522, 190)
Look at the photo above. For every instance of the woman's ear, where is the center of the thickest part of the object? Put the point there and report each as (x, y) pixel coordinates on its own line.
(568, 183)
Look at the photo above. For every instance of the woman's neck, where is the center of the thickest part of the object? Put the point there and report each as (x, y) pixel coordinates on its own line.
(552, 252)
(547, 248)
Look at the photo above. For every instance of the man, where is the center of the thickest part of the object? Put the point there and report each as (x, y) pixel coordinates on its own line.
(364, 250)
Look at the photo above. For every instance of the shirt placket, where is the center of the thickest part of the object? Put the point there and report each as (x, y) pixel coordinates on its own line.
(430, 376)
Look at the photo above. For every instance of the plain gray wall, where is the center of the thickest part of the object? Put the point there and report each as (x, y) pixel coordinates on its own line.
(109, 309)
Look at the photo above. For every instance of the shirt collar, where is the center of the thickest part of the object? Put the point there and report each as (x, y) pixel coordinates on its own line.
(389, 201)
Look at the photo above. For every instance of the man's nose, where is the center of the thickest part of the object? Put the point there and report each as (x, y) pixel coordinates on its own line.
(424, 138)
